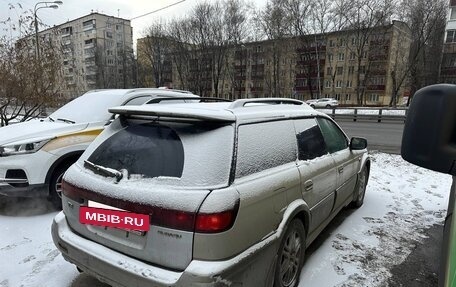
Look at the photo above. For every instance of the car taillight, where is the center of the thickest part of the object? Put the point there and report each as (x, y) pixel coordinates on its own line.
(215, 222)
(72, 192)
(173, 219)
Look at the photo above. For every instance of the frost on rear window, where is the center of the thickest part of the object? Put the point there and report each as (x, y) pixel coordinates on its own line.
(265, 145)
(172, 153)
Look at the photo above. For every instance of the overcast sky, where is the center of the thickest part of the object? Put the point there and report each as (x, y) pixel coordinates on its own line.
(127, 9)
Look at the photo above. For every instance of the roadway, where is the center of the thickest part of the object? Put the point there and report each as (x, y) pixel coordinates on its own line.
(384, 136)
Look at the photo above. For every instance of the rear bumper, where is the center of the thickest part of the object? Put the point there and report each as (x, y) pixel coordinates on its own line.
(121, 270)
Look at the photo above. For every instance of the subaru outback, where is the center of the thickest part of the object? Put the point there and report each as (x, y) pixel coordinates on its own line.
(208, 194)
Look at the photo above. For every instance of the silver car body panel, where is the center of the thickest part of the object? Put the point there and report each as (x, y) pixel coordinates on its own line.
(267, 201)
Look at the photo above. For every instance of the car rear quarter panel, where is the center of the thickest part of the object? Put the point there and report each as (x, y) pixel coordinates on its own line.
(263, 201)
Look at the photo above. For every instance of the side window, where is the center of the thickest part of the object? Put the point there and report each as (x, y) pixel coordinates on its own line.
(138, 101)
(334, 138)
(265, 145)
(311, 143)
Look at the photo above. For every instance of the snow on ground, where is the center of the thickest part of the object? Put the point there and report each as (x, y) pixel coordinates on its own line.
(401, 202)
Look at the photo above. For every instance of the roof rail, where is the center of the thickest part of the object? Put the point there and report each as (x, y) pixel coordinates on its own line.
(278, 101)
(201, 99)
(173, 90)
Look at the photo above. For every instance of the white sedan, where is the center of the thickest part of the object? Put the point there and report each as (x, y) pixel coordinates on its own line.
(323, 103)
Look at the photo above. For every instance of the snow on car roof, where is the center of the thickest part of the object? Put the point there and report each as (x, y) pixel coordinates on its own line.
(93, 105)
(220, 111)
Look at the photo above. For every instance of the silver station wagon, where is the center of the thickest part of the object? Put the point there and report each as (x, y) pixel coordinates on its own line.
(208, 193)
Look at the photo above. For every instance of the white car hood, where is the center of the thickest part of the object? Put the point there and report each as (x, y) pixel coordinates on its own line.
(36, 129)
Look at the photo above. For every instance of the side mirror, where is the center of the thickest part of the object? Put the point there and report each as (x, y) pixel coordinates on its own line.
(429, 138)
(358, 143)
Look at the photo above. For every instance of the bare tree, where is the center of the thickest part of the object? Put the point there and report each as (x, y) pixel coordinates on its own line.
(27, 84)
(426, 20)
(238, 33)
(365, 19)
(155, 54)
(273, 21)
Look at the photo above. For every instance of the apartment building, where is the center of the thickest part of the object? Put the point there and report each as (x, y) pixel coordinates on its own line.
(345, 65)
(96, 52)
(448, 65)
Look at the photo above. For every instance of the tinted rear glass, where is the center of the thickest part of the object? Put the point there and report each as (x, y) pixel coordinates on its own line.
(172, 153)
(147, 150)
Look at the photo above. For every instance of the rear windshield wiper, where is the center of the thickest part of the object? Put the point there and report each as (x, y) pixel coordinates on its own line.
(67, 121)
(105, 171)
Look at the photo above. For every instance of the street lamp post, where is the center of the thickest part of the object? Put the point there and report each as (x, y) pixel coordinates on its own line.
(53, 5)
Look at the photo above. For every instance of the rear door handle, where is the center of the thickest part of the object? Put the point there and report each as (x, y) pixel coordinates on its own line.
(308, 185)
(341, 169)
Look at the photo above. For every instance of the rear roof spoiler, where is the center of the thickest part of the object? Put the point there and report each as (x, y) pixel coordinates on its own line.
(175, 113)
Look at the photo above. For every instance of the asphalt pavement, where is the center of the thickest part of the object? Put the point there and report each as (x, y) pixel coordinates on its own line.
(383, 136)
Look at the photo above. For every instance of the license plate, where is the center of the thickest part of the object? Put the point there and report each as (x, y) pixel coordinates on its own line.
(107, 216)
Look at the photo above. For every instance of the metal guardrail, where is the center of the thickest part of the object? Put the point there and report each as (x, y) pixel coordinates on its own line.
(367, 114)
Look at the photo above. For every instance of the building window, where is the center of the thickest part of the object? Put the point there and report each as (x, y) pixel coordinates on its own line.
(351, 70)
(347, 97)
(362, 69)
(327, 84)
(373, 98)
(329, 70)
(451, 36)
(330, 57)
(352, 56)
(331, 43)
(349, 84)
(340, 70)
(339, 84)
(341, 42)
(453, 13)
(341, 56)
(108, 34)
(337, 97)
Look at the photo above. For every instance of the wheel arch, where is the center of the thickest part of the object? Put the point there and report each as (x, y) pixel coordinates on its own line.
(71, 156)
(296, 209)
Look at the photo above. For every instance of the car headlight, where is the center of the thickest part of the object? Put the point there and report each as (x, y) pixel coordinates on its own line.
(22, 148)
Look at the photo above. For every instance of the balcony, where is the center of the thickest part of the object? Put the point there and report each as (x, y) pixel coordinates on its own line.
(448, 71)
(86, 28)
(90, 72)
(375, 87)
(311, 75)
(88, 46)
(256, 89)
(310, 49)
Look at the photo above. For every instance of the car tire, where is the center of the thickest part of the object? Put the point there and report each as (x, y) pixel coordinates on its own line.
(312, 106)
(55, 184)
(328, 106)
(290, 255)
(360, 190)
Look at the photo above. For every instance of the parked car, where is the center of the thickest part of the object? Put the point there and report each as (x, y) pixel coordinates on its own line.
(323, 103)
(429, 141)
(34, 155)
(208, 194)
